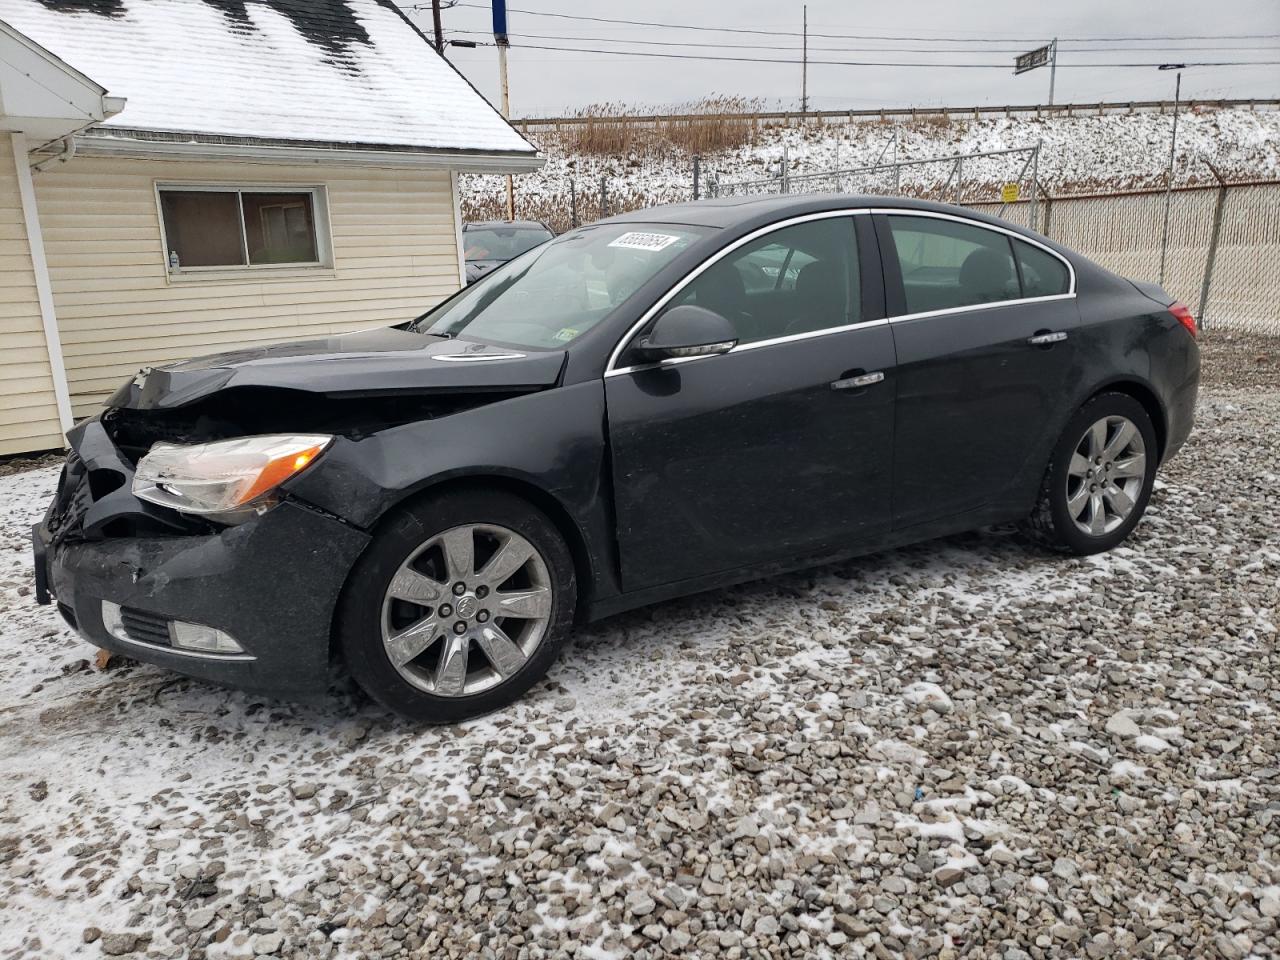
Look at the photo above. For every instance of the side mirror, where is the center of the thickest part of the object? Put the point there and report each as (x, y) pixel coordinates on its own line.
(687, 331)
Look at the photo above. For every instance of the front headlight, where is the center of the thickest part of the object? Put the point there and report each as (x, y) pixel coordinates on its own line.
(228, 480)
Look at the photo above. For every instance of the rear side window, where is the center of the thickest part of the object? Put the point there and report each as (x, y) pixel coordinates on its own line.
(946, 264)
(1043, 274)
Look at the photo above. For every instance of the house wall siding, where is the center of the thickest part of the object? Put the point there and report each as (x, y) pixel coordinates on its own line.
(394, 256)
(28, 405)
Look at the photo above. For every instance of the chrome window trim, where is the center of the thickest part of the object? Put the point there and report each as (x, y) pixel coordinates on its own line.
(611, 370)
(772, 341)
(903, 317)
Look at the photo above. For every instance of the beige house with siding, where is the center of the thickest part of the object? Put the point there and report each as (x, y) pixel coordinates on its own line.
(179, 177)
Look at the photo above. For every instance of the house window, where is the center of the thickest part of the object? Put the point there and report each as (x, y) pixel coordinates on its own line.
(209, 228)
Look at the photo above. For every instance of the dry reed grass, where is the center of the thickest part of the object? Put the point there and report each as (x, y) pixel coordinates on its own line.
(702, 127)
(554, 209)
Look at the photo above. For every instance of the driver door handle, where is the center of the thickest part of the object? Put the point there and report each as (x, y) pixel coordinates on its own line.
(856, 382)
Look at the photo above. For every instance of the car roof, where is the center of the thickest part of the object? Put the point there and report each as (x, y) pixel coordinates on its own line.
(729, 212)
(506, 224)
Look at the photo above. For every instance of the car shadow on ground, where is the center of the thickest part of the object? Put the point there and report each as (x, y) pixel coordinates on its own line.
(597, 653)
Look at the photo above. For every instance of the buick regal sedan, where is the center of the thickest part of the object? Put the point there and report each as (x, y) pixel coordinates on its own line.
(652, 405)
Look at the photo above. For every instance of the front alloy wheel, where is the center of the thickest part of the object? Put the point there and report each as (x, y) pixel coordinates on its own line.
(459, 606)
(466, 610)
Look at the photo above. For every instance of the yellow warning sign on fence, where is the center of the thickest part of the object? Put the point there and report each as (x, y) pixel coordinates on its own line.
(1009, 193)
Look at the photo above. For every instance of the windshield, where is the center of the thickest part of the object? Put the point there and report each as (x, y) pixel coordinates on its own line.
(501, 243)
(559, 291)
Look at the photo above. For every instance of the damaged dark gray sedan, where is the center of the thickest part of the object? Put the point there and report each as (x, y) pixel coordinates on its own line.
(653, 405)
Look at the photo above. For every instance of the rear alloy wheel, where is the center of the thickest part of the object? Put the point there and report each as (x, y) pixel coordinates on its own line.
(1106, 475)
(460, 605)
(1099, 480)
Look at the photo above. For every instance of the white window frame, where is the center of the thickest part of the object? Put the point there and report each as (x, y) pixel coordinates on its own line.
(319, 217)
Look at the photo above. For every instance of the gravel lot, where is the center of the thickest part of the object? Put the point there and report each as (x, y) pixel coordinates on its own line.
(966, 748)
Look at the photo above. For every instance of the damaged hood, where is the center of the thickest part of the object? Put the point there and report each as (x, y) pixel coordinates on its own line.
(370, 363)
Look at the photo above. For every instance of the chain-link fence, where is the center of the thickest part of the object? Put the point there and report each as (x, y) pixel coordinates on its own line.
(959, 178)
(1220, 254)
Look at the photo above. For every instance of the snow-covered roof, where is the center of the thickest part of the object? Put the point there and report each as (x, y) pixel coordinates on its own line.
(348, 72)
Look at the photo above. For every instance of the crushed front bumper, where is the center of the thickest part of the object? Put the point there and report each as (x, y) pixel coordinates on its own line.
(271, 583)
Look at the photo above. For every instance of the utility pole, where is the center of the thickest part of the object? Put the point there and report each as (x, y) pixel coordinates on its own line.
(435, 19)
(1173, 147)
(500, 38)
(804, 65)
(1053, 67)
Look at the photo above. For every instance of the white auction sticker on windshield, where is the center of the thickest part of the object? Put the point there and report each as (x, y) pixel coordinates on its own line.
(644, 241)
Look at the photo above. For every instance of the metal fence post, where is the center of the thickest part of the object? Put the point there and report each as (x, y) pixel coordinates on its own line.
(604, 196)
(1035, 186)
(573, 203)
(959, 180)
(1212, 255)
(1048, 214)
(697, 176)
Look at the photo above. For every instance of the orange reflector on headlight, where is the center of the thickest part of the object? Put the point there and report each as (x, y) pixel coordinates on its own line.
(278, 470)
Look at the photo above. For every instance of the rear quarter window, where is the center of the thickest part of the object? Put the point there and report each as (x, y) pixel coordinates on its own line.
(1043, 274)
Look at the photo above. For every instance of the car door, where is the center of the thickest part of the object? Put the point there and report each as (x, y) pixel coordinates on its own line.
(983, 324)
(777, 448)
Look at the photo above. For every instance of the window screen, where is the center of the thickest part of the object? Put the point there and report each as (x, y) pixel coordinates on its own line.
(946, 264)
(238, 227)
(1043, 274)
(798, 279)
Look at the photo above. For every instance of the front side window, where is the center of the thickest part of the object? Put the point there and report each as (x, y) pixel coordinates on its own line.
(558, 291)
(798, 279)
(240, 227)
(946, 264)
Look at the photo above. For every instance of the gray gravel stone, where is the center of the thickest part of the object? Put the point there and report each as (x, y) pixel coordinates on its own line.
(954, 749)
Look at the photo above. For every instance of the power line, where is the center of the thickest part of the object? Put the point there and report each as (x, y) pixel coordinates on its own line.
(879, 63)
(769, 46)
(846, 36)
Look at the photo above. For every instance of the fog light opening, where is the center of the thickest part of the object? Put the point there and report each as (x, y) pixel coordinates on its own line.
(201, 639)
(113, 621)
(183, 636)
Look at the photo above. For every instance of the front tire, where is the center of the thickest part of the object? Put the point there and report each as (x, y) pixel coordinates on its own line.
(461, 603)
(1099, 478)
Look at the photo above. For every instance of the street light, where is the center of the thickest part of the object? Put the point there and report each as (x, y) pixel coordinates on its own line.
(1173, 146)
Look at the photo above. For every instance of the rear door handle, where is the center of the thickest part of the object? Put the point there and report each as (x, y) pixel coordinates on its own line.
(854, 383)
(1044, 339)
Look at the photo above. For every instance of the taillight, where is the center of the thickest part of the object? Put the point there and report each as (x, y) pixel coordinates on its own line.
(1183, 314)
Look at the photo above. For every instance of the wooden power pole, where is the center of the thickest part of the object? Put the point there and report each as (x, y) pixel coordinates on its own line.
(435, 18)
(804, 65)
(500, 39)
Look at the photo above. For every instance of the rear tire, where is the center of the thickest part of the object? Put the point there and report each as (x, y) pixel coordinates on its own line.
(1099, 478)
(460, 605)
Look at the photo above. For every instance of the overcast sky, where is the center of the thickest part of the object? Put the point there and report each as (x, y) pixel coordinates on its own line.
(545, 82)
